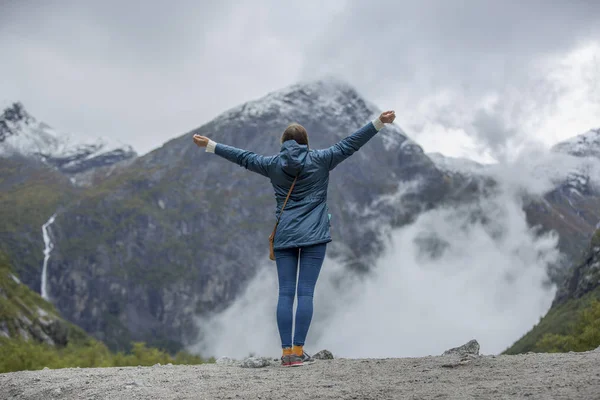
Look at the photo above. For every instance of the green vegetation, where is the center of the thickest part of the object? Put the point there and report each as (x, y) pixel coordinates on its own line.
(105, 219)
(18, 304)
(568, 327)
(585, 333)
(574, 324)
(29, 195)
(18, 355)
(17, 301)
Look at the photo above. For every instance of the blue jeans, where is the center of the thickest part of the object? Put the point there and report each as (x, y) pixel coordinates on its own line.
(309, 259)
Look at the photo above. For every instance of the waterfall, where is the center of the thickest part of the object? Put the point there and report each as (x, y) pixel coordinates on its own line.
(48, 246)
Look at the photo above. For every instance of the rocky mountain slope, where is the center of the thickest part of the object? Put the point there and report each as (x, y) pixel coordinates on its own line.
(584, 275)
(180, 231)
(576, 294)
(24, 315)
(560, 190)
(577, 195)
(177, 233)
(22, 134)
(584, 145)
(30, 192)
(33, 335)
(41, 171)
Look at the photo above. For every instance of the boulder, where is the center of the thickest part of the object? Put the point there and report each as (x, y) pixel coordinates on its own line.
(469, 348)
(323, 355)
(226, 361)
(255, 362)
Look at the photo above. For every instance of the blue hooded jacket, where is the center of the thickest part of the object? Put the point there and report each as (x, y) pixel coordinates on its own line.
(305, 219)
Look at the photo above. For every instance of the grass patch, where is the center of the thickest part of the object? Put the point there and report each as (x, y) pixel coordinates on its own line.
(19, 355)
(563, 321)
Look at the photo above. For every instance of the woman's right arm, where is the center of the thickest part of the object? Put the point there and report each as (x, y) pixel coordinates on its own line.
(244, 158)
(348, 146)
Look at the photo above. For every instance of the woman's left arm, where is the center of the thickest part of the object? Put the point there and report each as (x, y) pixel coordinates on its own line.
(244, 158)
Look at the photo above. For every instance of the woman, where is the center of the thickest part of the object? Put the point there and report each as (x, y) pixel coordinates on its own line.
(302, 234)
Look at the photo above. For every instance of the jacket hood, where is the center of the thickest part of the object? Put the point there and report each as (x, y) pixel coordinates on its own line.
(292, 156)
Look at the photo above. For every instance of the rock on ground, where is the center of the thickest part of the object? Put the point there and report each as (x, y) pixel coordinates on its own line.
(323, 355)
(226, 361)
(255, 362)
(528, 376)
(469, 348)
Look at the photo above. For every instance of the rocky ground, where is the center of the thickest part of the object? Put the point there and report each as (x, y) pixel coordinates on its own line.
(458, 374)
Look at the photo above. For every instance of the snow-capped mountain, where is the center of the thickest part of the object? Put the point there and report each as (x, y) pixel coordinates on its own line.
(573, 164)
(21, 133)
(335, 98)
(179, 193)
(582, 168)
(585, 145)
(141, 280)
(560, 188)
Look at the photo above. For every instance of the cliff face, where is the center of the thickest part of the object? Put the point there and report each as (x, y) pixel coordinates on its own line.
(30, 193)
(583, 277)
(572, 322)
(24, 315)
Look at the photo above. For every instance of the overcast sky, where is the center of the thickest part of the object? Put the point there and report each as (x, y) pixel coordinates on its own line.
(476, 78)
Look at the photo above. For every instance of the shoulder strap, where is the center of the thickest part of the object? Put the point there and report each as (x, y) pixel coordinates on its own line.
(287, 198)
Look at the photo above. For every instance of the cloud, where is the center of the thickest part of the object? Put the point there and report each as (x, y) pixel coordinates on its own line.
(146, 72)
(441, 63)
(487, 280)
(140, 72)
(444, 43)
(483, 79)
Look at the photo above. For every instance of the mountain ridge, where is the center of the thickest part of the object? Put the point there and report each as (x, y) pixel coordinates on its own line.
(22, 134)
(177, 232)
(154, 273)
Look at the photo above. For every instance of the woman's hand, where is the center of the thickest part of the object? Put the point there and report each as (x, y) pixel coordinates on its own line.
(201, 141)
(387, 117)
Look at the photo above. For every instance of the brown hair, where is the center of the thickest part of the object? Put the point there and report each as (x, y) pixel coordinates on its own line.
(295, 132)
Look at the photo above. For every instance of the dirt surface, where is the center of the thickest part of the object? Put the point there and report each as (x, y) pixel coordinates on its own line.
(528, 376)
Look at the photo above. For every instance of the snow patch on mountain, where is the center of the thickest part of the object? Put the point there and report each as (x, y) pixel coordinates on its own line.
(329, 97)
(585, 145)
(297, 99)
(21, 133)
(456, 164)
(572, 166)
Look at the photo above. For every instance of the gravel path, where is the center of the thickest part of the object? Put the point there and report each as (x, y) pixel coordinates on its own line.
(528, 376)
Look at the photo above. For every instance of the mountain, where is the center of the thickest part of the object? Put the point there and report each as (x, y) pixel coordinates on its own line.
(152, 242)
(34, 336)
(457, 165)
(41, 171)
(179, 232)
(24, 315)
(560, 190)
(30, 192)
(573, 321)
(584, 275)
(570, 206)
(21, 134)
(584, 145)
